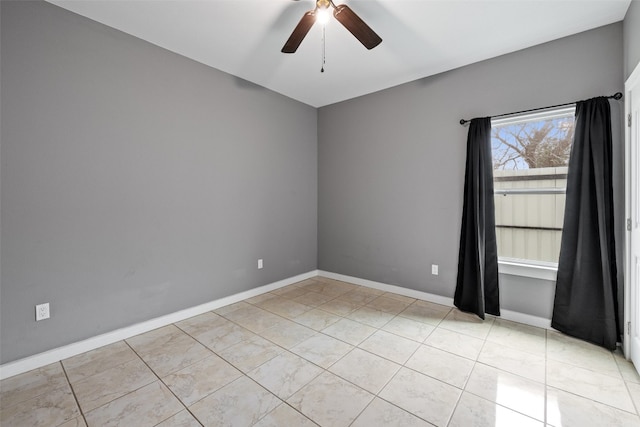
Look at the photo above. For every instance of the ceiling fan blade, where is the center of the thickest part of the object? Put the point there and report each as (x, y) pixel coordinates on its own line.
(301, 30)
(356, 26)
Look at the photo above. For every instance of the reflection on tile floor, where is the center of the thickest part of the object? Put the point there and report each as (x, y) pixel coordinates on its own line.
(330, 353)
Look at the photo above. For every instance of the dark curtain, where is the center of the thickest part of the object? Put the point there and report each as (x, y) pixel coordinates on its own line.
(586, 299)
(477, 283)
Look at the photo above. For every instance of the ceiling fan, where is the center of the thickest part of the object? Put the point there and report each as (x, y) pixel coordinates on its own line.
(343, 14)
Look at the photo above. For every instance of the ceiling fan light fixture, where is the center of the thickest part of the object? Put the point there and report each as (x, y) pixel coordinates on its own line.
(322, 16)
(343, 14)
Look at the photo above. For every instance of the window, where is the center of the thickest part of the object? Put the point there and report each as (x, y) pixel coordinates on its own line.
(530, 158)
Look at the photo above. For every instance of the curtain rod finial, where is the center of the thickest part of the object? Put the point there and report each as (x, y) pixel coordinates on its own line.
(463, 121)
(618, 95)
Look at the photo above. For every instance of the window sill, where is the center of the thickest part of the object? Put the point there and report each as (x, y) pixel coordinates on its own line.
(541, 270)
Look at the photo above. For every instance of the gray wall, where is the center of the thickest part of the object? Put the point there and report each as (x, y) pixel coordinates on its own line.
(391, 164)
(631, 38)
(136, 182)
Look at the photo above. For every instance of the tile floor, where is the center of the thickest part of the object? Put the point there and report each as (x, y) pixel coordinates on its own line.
(329, 353)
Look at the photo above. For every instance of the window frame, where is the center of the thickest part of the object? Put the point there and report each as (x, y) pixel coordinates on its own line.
(535, 269)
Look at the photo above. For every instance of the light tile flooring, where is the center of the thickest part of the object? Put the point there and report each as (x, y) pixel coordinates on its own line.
(329, 353)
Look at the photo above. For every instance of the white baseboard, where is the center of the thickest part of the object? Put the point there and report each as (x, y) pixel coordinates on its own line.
(51, 356)
(513, 316)
(438, 299)
(526, 319)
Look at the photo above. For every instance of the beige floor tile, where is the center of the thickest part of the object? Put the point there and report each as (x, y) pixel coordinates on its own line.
(285, 415)
(260, 298)
(231, 307)
(317, 319)
(115, 382)
(312, 299)
(568, 410)
(441, 365)
(403, 298)
(467, 324)
(201, 379)
(634, 391)
(254, 318)
(371, 291)
(215, 332)
(509, 390)
(288, 334)
(146, 406)
(456, 343)
(389, 305)
(383, 414)
(528, 365)
(358, 297)
(284, 307)
(390, 346)
(28, 385)
(330, 401)
(426, 312)
(169, 352)
(580, 353)
(201, 324)
(250, 354)
(409, 328)
(54, 407)
(590, 384)
(181, 419)
(293, 292)
(349, 331)
(423, 396)
(241, 403)
(322, 350)
(76, 422)
(338, 307)
(329, 288)
(473, 411)
(155, 339)
(518, 336)
(627, 369)
(285, 374)
(93, 362)
(371, 316)
(365, 370)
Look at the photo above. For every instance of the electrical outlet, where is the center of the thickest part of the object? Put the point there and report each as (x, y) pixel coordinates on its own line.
(260, 264)
(434, 269)
(42, 311)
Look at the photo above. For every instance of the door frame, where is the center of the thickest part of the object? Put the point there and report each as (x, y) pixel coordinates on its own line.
(632, 82)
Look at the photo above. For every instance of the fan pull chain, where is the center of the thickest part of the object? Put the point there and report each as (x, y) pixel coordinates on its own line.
(323, 47)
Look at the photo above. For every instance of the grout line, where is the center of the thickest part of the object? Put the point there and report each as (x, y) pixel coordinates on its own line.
(163, 383)
(73, 392)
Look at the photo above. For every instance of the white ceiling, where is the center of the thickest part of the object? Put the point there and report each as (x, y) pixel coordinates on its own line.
(420, 37)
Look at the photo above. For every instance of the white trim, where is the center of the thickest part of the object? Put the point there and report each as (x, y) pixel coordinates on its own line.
(526, 319)
(544, 114)
(438, 299)
(51, 356)
(536, 271)
(633, 80)
(513, 316)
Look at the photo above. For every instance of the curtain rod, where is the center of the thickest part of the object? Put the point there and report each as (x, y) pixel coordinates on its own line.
(616, 96)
